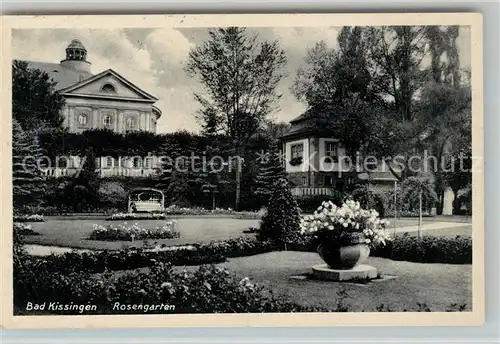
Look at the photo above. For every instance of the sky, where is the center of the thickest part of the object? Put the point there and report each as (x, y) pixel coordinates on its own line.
(154, 60)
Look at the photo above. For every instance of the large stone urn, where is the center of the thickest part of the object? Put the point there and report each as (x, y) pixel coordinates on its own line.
(344, 252)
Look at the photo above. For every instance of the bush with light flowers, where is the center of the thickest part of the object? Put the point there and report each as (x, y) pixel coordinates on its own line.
(333, 221)
(134, 232)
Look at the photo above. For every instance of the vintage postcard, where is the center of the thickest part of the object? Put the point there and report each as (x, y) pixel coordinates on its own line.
(242, 170)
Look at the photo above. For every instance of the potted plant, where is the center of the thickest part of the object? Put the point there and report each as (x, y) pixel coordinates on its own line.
(344, 234)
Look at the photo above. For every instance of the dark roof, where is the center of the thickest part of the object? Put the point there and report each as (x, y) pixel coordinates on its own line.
(308, 114)
(64, 77)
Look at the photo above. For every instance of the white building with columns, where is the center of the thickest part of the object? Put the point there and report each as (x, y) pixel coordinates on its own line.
(106, 100)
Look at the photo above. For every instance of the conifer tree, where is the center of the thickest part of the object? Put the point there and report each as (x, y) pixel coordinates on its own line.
(270, 170)
(26, 176)
(281, 222)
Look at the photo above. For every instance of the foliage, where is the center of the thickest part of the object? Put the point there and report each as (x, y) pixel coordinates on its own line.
(134, 232)
(335, 222)
(208, 289)
(240, 77)
(367, 88)
(26, 175)
(35, 102)
(113, 195)
(270, 170)
(82, 189)
(410, 194)
(23, 229)
(369, 199)
(136, 216)
(281, 222)
(309, 204)
(28, 218)
(428, 249)
(133, 258)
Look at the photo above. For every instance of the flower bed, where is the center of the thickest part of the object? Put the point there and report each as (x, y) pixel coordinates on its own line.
(24, 229)
(206, 290)
(134, 232)
(182, 211)
(28, 218)
(136, 216)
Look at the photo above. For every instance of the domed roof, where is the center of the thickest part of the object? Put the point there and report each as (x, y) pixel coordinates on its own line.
(76, 44)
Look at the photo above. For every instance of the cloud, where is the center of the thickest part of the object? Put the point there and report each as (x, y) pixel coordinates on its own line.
(154, 59)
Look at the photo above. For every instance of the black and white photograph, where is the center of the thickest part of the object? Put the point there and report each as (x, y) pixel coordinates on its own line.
(243, 169)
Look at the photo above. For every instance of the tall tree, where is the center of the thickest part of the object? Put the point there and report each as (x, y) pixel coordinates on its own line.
(35, 102)
(271, 169)
(26, 176)
(240, 76)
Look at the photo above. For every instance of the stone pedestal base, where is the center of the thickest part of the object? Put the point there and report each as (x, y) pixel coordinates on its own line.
(360, 272)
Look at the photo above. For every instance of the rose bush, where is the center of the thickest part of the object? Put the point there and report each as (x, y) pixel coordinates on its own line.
(134, 232)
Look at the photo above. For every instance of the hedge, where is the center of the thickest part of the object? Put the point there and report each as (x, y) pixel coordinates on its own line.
(428, 249)
(126, 259)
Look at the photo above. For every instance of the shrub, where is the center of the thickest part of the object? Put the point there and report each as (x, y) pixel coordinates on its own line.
(310, 203)
(136, 216)
(194, 254)
(369, 199)
(281, 222)
(428, 249)
(208, 289)
(112, 195)
(24, 229)
(28, 218)
(134, 232)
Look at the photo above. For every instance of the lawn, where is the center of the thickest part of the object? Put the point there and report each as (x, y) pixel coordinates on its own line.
(436, 285)
(73, 233)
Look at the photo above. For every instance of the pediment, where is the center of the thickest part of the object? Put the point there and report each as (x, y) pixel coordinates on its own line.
(108, 84)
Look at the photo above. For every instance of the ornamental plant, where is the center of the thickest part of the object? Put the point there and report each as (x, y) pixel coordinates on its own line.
(134, 232)
(333, 221)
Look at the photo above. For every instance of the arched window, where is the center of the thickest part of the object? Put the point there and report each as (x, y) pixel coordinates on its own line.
(82, 119)
(106, 120)
(108, 88)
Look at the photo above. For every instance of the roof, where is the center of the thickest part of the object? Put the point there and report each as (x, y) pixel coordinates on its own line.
(64, 77)
(116, 75)
(308, 114)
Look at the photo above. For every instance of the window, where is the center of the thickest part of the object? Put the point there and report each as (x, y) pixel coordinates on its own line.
(130, 123)
(108, 88)
(297, 150)
(109, 162)
(331, 149)
(148, 162)
(136, 162)
(106, 120)
(82, 119)
(304, 181)
(330, 181)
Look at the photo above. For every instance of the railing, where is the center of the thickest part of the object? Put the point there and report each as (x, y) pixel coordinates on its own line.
(57, 172)
(303, 191)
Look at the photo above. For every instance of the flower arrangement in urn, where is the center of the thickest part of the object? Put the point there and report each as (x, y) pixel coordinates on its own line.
(344, 234)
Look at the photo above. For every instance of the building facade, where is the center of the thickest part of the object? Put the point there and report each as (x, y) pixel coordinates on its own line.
(317, 164)
(105, 100)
